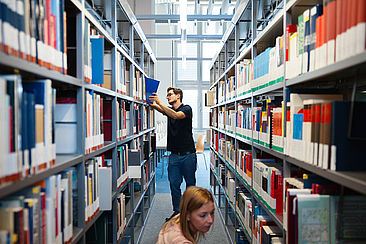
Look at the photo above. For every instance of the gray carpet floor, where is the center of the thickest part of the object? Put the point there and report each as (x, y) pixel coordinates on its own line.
(162, 206)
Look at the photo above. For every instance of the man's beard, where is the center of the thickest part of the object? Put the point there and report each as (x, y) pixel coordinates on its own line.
(172, 102)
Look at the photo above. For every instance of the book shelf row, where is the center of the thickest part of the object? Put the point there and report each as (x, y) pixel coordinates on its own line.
(41, 121)
(310, 44)
(32, 207)
(235, 184)
(42, 33)
(285, 91)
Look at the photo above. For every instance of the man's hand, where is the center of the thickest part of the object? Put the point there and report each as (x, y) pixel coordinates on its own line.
(155, 99)
(154, 105)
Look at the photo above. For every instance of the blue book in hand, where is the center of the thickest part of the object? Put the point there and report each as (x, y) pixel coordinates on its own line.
(151, 86)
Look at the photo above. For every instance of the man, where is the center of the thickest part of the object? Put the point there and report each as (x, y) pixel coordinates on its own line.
(183, 159)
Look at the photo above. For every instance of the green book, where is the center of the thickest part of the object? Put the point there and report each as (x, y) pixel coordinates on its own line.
(314, 220)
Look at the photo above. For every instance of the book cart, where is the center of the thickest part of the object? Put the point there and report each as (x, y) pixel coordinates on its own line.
(283, 65)
(73, 111)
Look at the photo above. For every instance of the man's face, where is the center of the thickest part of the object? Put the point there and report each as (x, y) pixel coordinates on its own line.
(172, 97)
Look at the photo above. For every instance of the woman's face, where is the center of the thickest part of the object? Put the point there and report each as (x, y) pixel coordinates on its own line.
(201, 219)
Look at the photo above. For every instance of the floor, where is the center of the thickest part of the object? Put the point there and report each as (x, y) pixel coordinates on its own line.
(162, 206)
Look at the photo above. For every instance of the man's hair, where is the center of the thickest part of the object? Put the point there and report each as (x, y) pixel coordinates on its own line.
(176, 92)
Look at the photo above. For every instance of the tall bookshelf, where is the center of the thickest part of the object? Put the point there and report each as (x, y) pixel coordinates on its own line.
(91, 58)
(245, 78)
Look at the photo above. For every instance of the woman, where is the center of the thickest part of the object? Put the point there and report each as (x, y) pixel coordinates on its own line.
(196, 217)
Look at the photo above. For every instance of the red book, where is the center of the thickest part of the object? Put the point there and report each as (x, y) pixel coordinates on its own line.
(21, 226)
(277, 190)
(344, 11)
(47, 29)
(318, 31)
(11, 128)
(289, 30)
(107, 120)
(354, 6)
(339, 19)
(101, 117)
(43, 217)
(331, 20)
(248, 159)
(291, 217)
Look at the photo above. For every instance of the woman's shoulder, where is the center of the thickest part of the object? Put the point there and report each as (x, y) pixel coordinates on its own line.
(172, 234)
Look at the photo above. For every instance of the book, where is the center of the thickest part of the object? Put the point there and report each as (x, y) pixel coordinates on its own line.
(314, 218)
(307, 42)
(290, 214)
(97, 59)
(331, 29)
(315, 12)
(151, 86)
(345, 152)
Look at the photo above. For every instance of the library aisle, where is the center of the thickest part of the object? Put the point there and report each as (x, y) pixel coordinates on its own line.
(161, 206)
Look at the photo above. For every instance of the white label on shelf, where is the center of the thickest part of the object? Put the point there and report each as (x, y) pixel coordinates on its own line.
(325, 156)
(330, 52)
(28, 44)
(15, 39)
(12, 165)
(65, 61)
(53, 151)
(33, 49)
(315, 155)
(333, 157)
(7, 28)
(307, 154)
(264, 138)
(320, 156)
(312, 60)
(360, 37)
(26, 160)
(22, 46)
(255, 135)
(34, 162)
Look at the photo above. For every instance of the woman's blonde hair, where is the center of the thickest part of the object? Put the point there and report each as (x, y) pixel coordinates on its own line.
(193, 198)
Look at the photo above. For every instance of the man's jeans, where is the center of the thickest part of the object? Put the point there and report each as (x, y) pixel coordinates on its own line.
(179, 167)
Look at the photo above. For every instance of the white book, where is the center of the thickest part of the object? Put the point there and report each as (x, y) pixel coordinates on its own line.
(360, 37)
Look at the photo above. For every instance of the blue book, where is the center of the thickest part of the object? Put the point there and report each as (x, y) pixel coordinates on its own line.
(346, 151)
(298, 121)
(151, 86)
(97, 53)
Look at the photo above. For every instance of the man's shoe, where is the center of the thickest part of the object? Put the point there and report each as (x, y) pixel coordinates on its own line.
(167, 219)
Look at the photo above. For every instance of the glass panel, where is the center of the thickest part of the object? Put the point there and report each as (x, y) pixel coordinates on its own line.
(206, 70)
(205, 112)
(191, 50)
(209, 49)
(189, 74)
(190, 98)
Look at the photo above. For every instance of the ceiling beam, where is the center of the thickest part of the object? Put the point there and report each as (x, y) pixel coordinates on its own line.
(191, 37)
(166, 17)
